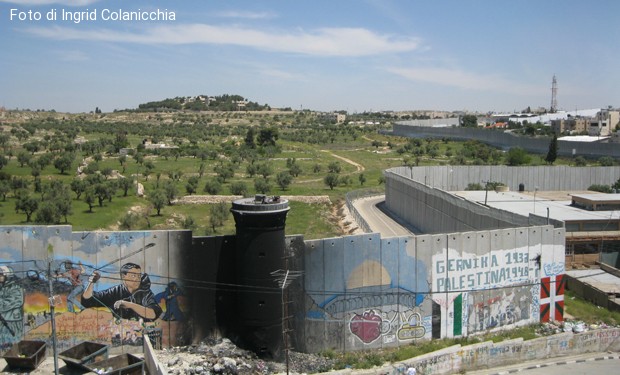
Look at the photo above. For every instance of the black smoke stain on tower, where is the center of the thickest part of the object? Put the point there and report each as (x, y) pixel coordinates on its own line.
(260, 250)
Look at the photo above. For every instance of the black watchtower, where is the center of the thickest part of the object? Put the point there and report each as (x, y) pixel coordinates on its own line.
(259, 251)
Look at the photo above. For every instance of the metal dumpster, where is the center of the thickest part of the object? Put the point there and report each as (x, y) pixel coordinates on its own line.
(26, 354)
(124, 364)
(82, 354)
(154, 335)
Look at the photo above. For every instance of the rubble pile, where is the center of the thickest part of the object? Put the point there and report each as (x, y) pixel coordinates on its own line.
(575, 326)
(222, 357)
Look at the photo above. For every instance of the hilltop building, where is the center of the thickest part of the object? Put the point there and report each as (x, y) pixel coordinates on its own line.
(336, 117)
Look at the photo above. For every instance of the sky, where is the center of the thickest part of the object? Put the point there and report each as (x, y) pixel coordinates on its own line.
(325, 55)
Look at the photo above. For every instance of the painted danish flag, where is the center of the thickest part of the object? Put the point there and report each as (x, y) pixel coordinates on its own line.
(552, 298)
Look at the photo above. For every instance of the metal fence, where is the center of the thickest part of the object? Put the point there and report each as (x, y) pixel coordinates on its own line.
(352, 196)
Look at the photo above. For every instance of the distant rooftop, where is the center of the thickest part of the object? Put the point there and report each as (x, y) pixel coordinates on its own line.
(599, 279)
(581, 138)
(548, 117)
(529, 202)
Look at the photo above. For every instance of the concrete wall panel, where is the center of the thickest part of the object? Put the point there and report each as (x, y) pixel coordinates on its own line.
(457, 359)
(315, 332)
(443, 283)
(420, 249)
(365, 281)
(479, 298)
(391, 310)
(335, 298)
(546, 178)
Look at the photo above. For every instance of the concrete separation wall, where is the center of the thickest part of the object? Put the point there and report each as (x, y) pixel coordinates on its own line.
(356, 292)
(436, 211)
(368, 292)
(546, 178)
(458, 359)
(420, 195)
(507, 140)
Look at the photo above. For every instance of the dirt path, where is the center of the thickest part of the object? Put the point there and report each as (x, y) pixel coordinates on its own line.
(360, 168)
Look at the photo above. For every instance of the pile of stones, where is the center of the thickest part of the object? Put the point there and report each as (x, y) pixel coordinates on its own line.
(574, 326)
(222, 357)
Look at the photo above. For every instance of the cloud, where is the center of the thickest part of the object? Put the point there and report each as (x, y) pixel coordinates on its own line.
(246, 15)
(73, 56)
(281, 75)
(466, 80)
(321, 42)
(49, 2)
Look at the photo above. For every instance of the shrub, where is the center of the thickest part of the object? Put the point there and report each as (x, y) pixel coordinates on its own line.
(606, 161)
(474, 186)
(601, 188)
(212, 187)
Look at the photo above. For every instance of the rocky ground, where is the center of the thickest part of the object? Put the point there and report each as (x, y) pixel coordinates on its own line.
(210, 357)
(221, 356)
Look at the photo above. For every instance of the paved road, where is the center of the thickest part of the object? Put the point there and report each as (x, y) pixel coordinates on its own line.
(377, 219)
(589, 363)
(592, 367)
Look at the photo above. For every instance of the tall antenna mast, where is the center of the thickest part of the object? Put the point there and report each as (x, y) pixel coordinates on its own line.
(554, 95)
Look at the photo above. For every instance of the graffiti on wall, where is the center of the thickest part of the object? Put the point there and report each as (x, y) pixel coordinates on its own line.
(455, 272)
(429, 286)
(108, 287)
(371, 325)
(477, 292)
(552, 292)
(172, 297)
(498, 308)
(405, 292)
(379, 299)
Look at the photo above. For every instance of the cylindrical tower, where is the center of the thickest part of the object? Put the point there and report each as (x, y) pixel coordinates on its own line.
(260, 250)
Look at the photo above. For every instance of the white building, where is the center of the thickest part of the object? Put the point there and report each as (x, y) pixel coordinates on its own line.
(604, 123)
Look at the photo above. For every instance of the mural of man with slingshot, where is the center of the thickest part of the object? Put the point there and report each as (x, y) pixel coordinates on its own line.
(132, 299)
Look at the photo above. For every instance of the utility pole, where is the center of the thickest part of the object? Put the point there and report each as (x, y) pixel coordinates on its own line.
(52, 303)
(486, 191)
(284, 279)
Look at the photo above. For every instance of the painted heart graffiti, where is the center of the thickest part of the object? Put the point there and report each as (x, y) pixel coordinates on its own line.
(367, 327)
